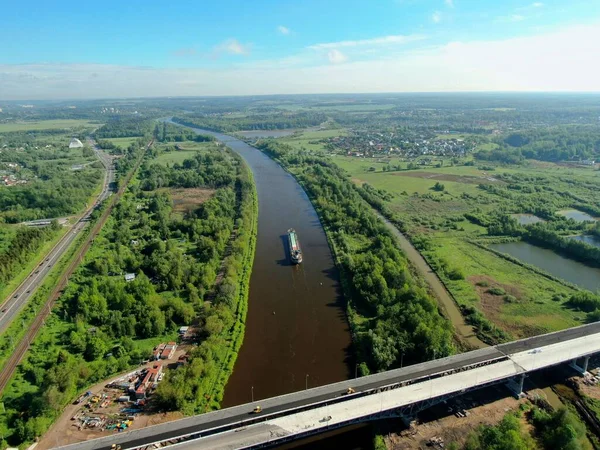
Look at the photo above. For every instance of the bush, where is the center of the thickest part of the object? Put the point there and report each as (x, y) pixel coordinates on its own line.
(584, 301)
(496, 290)
(379, 443)
(510, 299)
(456, 274)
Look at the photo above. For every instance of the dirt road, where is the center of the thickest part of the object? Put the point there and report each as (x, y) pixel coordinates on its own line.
(449, 306)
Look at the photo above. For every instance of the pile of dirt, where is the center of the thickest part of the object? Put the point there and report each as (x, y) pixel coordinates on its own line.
(493, 296)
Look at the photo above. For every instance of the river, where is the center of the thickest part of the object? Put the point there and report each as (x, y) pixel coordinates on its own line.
(553, 263)
(297, 334)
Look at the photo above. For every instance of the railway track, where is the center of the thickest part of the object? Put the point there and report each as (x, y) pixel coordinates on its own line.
(16, 357)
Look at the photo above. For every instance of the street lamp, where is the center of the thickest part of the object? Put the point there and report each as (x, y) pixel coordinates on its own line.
(252, 393)
(306, 384)
(356, 371)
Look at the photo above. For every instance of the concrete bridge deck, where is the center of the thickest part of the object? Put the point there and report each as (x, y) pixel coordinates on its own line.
(392, 393)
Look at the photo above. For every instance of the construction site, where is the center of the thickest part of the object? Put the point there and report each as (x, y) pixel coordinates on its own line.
(121, 403)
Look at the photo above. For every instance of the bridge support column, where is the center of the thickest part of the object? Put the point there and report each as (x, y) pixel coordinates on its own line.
(516, 385)
(582, 369)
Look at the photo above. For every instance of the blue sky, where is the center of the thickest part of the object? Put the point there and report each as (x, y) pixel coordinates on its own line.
(90, 49)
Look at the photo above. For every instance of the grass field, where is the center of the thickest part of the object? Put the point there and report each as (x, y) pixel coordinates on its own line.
(307, 139)
(47, 125)
(533, 312)
(188, 150)
(175, 157)
(123, 142)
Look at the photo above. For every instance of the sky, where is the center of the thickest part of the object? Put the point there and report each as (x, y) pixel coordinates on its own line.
(131, 48)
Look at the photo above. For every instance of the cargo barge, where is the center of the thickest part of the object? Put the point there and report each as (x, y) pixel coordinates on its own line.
(295, 252)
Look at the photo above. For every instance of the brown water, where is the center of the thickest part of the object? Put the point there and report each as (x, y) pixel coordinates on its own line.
(296, 329)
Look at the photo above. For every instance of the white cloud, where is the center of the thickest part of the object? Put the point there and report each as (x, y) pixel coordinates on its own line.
(517, 18)
(537, 5)
(436, 17)
(383, 40)
(232, 47)
(336, 57)
(449, 3)
(283, 30)
(552, 61)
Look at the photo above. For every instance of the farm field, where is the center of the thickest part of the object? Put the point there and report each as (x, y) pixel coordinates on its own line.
(48, 125)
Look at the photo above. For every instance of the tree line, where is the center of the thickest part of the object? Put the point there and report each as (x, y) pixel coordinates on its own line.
(25, 244)
(167, 132)
(270, 121)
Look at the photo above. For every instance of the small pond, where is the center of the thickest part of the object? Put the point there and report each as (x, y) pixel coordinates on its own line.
(553, 263)
(526, 219)
(575, 214)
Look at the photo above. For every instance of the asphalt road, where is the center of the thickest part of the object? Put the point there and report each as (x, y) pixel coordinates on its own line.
(19, 298)
(230, 418)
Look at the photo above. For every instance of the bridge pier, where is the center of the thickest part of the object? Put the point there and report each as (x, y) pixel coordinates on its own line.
(582, 369)
(516, 385)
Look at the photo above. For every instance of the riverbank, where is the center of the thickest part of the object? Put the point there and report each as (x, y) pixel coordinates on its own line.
(246, 240)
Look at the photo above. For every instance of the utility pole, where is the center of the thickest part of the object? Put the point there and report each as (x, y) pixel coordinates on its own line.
(306, 387)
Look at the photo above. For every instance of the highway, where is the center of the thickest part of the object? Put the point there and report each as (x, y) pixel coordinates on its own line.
(20, 296)
(303, 411)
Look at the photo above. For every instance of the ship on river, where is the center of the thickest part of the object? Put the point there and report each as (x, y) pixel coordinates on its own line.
(295, 252)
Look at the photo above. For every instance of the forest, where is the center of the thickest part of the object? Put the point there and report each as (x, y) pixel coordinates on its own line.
(119, 126)
(393, 318)
(560, 143)
(177, 259)
(272, 121)
(20, 248)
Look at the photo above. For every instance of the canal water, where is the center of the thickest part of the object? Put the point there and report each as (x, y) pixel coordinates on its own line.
(553, 263)
(297, 335)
